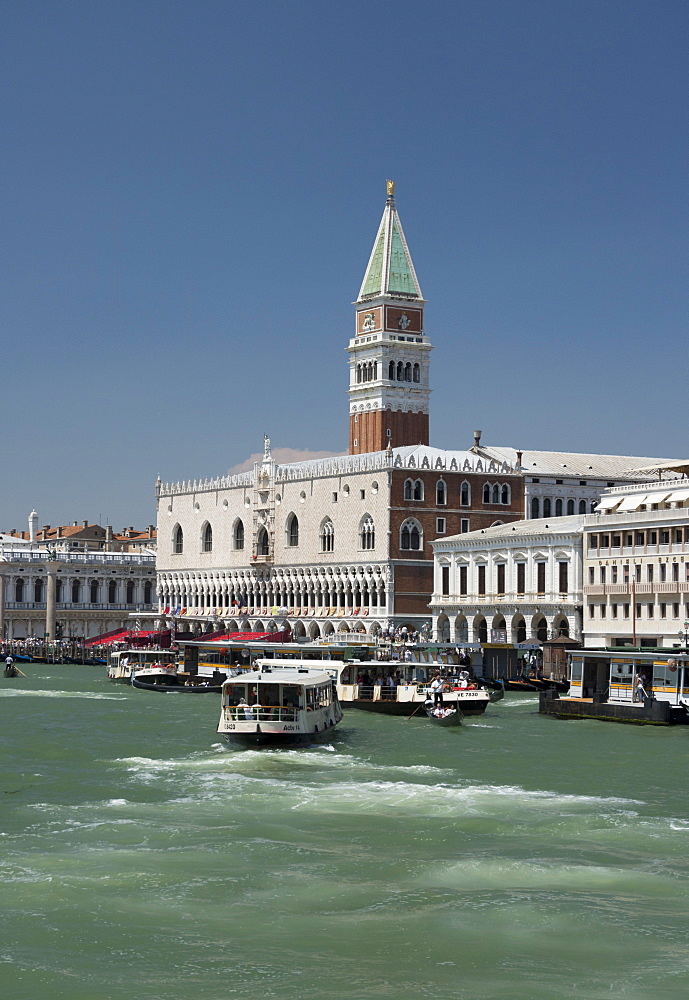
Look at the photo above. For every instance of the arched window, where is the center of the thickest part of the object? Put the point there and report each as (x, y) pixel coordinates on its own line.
(130, 591)
(76, 591)
(147, 592)
(410, 536)
(417, 373)
(367, 533)
(440, 493)
(262, 548)
(207, 537)
(486, 492)
(535, 507)
(239, 535)
(177, 539)
(558, 507)
(38, 591)
(418, 489)
(407, 372)
(496, 493)
(570, 506)
(374, 371)
(112, 592)
(408, 489)
(400, 371)
(19, 591)
(391, 370)
(93, 592)
(582, 506)
(292, 530)
(358, 373)
(546, 507)
(465, 494)
(505, 494)
(327, 536)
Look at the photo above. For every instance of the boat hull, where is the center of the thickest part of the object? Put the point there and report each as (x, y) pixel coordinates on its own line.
(470, 703)
(445, 721)
(166, 688)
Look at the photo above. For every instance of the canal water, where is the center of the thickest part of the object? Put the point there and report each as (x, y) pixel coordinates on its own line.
(517, 857)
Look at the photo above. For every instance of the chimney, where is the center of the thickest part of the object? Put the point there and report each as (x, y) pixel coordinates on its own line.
(33, 526)
(477, 440)
(59, 533)
(108, 533)
(151, 529)
(519, 459)
(85, 523)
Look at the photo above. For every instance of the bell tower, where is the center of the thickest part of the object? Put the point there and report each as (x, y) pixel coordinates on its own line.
(389, 355)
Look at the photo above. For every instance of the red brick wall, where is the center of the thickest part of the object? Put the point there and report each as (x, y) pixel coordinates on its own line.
(426, 511)
(370, 428)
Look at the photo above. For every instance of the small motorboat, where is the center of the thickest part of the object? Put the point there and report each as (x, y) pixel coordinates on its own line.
(445, 716)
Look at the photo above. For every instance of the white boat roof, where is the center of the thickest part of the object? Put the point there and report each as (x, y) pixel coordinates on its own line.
(275, 673)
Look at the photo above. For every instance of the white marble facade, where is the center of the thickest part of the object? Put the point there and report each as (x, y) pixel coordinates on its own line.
(519, 582)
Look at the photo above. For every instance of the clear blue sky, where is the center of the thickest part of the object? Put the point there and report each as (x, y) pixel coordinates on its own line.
(190, 192)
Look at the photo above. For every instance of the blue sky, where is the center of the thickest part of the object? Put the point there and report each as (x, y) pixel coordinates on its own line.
(190, 192)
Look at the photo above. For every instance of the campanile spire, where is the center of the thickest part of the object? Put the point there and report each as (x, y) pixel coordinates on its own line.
(389, 355)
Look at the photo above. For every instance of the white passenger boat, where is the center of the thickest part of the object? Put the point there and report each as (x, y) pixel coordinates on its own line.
(394, 688)
(148, 665)
(279, 701)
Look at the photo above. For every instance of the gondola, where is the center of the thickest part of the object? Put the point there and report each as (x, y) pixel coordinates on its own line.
(518, 684)
(453, 718)
(11, 671)
(176, 687)
(497, 695)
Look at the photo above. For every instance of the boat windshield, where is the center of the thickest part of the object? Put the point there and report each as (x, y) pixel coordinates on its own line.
(263, 701)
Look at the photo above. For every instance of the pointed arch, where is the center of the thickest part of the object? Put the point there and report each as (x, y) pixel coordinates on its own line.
(327, 535)
(206, 537)
(238, 534)
(367, 532)
(411, 535)
(177, 539)
(292, 530)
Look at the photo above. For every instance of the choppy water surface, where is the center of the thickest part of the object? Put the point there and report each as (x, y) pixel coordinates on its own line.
(518, 857)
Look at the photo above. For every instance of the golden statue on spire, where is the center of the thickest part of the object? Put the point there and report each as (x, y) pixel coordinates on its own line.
(391, 188)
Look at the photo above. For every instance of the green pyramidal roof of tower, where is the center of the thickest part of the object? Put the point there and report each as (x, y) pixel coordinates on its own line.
(390, 269)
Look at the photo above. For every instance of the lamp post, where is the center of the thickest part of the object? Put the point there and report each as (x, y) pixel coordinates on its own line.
(684, 636)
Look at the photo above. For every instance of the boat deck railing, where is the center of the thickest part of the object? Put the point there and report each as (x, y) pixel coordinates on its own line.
(259, 713)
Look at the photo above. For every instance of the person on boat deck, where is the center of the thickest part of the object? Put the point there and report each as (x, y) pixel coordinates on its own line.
(640, 687)
(245, 708)
(436, 686)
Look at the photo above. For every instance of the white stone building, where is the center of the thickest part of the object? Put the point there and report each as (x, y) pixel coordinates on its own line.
(636, 564)
(96, 592)
(335, 544)
(514, 583)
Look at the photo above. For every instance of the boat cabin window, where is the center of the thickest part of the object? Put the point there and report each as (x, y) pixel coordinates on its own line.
(290, 696)
(664, 674)
(346, 676)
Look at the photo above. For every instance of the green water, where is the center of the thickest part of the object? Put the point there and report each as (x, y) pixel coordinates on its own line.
(517, 857)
